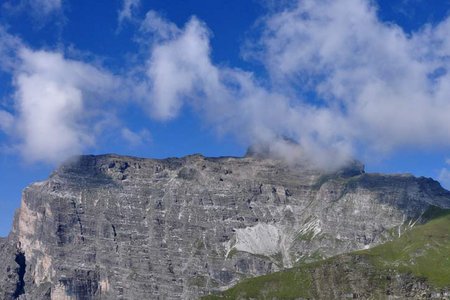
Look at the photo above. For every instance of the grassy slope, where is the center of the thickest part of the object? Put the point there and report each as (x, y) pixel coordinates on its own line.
(423, 252)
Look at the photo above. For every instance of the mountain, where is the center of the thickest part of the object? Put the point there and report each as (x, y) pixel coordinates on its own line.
(116, 227)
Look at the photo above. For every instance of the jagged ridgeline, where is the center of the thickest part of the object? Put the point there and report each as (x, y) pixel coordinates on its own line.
(114, 227)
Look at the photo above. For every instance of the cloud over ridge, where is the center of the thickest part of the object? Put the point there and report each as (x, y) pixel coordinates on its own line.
(341, 84)
(376, 88)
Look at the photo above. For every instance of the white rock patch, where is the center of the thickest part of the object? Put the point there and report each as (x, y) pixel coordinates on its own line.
(312, 226)
(262, 239)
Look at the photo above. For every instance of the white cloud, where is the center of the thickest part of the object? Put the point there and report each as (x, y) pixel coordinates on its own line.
(52, 95)
(180, 68)
(134, 139)
(158, 26)
(60, 106)
(128, 9)
(377, 88)
(8, 45)
(391, 86)
(444, 175)
(6, 121)
(46, 6)
(234, 102)
(38, 8)
(49, 122)
(444, 178)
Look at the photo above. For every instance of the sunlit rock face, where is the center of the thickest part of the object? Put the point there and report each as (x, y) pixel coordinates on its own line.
(113, 227)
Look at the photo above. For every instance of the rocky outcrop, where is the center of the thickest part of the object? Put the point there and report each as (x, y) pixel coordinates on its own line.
(9, 275)
(113, 227)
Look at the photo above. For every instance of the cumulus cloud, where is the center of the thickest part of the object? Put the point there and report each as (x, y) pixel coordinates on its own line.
(51, 98)
(59, 104)
(342, 82)
(180, 68)
(390, 86)
(128, 9)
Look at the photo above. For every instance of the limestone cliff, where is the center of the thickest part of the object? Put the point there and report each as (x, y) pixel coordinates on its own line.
(114, 227)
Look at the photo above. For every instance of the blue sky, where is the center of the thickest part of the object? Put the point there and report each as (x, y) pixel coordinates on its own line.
(346, 78)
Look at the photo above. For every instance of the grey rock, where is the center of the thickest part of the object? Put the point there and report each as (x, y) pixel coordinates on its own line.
(9, 272)
(115, 227)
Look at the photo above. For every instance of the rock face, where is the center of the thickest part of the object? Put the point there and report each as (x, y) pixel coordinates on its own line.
(113, 227)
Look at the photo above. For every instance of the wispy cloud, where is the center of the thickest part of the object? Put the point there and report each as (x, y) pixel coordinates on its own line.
(155, 24)
(136, 138)
(444, 175)
(46, 6)
(38, 8)
(6, 121)
(444, 178)
(129, 7)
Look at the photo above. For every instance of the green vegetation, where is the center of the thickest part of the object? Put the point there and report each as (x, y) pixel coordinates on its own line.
(290, 284)
(423, 252)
